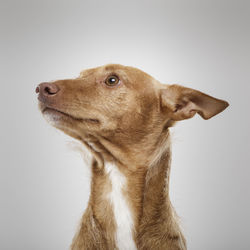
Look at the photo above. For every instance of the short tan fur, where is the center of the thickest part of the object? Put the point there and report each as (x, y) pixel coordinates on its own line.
(123, 115)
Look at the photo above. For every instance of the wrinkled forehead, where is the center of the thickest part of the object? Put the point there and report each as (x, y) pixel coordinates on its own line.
(127, 74)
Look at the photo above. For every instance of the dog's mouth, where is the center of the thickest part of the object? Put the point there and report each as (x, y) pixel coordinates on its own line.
(57, 114)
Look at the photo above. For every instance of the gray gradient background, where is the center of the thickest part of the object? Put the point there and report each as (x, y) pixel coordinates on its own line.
(200, 44)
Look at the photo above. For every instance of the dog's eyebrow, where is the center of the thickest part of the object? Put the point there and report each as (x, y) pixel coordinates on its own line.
(111, 67)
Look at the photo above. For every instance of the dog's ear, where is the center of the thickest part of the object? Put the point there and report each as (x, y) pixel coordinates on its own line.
(183, 103)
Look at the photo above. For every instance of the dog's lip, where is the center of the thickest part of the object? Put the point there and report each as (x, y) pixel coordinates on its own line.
(49, 109)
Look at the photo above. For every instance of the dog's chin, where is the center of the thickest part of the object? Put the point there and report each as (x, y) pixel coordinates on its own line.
(56, 118)
(60, 119)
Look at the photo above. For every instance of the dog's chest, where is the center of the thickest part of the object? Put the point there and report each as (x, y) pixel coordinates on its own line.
(121, 209)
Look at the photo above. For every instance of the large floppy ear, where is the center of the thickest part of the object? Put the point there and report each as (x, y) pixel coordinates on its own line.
(183, 103)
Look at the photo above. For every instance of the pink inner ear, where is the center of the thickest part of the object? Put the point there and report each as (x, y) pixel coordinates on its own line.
(188, 110)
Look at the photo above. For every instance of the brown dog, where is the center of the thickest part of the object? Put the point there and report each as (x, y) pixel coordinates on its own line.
(123, 116)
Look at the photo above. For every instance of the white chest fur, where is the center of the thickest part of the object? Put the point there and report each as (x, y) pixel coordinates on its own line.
(121, 209)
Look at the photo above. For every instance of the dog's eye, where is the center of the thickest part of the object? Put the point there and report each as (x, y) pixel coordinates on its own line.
(112, 81)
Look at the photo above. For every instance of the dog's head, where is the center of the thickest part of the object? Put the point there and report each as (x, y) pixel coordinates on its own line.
(117, 100)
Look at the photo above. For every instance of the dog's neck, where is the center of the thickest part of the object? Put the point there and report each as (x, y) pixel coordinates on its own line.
(130, 191)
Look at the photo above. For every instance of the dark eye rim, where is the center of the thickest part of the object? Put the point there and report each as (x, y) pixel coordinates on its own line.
(110, 84)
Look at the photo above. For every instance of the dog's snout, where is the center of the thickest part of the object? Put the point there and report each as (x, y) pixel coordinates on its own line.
(47, 89)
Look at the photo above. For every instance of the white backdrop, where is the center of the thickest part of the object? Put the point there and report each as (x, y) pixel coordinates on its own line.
(199, 44)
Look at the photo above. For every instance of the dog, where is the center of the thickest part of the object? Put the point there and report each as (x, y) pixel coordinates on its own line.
(123, 115)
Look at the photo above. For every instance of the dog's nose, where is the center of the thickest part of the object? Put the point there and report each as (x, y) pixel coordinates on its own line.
(47, 89)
